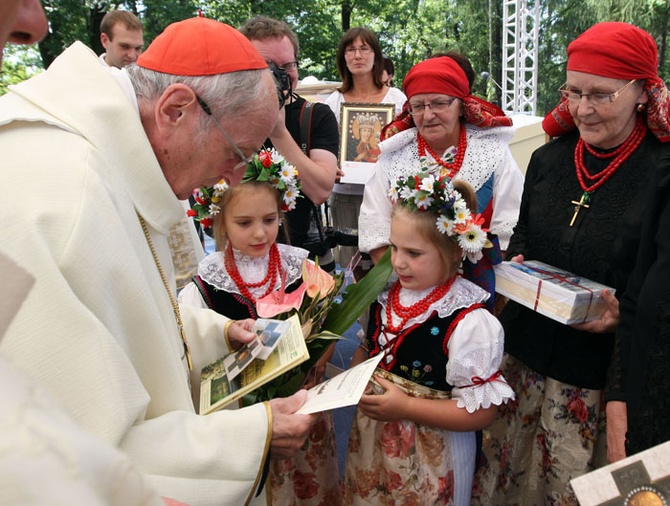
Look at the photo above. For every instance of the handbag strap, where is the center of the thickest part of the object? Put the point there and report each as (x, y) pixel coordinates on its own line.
(305, 126)
(305, 142)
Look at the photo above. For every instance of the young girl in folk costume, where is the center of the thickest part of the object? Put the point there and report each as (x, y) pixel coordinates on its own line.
(413, 439)
(248, 265)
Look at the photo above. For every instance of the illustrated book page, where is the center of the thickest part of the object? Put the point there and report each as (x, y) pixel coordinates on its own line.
(217, 389)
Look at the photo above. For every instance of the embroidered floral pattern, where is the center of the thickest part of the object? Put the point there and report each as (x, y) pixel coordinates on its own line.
(399, 462)
(539, 442)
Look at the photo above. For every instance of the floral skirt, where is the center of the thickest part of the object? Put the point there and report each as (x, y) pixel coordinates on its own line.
(401, 463)
(551, 433)
(312, 477)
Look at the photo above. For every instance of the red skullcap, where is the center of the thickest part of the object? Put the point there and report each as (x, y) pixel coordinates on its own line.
(200, 47)
(615, 50)
(437, 75)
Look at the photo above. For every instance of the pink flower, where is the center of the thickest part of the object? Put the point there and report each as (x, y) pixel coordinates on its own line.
(578, 409)
(397, 440)
(280, 302)
(319, 283)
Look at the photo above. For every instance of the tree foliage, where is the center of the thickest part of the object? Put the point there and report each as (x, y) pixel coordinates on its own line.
(409, 30)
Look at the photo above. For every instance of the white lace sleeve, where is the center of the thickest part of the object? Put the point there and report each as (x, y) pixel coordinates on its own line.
(506, 199)
(374, 220)
(475, 353)
(191, 296)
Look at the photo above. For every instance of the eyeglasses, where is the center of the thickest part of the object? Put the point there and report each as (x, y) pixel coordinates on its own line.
(437, 105)
(364, 50)
(594, 99)
(246, 160)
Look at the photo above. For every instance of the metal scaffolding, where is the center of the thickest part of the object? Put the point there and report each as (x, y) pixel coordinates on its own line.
(521, 20)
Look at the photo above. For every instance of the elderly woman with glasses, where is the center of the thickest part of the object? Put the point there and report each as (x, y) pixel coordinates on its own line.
(581, 211)
(445, 129)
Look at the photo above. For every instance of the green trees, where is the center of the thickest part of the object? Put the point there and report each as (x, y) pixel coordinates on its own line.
(409, 30)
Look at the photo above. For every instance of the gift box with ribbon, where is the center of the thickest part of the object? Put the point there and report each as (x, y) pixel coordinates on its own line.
(555, 293)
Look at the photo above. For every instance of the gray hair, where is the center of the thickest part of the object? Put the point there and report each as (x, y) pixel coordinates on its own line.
(226, 94)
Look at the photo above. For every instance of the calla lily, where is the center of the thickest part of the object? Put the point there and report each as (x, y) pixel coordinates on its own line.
(280, 302)
(319, 283)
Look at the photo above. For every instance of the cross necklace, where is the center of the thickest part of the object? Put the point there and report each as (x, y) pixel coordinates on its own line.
(583, 202)
(590, 182)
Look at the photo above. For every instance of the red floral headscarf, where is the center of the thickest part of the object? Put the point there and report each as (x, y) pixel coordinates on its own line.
(443, 75)
(618, 51)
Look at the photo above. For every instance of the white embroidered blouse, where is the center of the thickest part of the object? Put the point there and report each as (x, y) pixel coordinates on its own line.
(475, 347)
(487, 154)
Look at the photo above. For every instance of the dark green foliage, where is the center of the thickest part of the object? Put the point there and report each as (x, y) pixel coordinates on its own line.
(409, 30)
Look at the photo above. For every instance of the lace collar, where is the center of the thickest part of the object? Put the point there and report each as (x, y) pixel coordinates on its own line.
(252, 269)
(463, 294)
(486, 150)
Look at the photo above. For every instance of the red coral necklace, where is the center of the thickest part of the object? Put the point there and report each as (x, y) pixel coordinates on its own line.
(274, 270)
(393, 305)
(590, 182)
(454, 167)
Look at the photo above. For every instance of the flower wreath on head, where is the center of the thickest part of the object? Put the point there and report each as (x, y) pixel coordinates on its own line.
(265, 166)
(426, 192)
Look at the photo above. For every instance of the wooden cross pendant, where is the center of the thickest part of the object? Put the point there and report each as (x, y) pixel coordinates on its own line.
(578, 206)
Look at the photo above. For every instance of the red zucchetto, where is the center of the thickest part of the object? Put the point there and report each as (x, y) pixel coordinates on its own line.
(200, 47)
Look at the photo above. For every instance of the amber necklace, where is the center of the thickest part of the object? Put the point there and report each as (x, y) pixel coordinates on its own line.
(175, 306)
(590, 182)
(274, 270)
(393, 305)
(453, 167)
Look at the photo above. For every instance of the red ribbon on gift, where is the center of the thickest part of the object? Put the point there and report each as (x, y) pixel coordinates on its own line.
(561, 279)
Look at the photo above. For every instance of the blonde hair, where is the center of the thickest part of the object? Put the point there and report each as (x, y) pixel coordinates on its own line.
(230, 196)
(424, 222)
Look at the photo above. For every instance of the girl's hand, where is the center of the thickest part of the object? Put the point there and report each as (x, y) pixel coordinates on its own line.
(240, 333)
(385, 407)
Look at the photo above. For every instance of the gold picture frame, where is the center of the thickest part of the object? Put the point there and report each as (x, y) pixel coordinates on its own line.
(360, 127)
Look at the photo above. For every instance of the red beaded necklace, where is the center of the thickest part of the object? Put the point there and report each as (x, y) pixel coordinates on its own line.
(274, 269)
(590, 182)
(454, 167)
(393, 305)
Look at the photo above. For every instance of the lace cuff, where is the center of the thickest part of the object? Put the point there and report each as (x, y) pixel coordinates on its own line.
(483, 393)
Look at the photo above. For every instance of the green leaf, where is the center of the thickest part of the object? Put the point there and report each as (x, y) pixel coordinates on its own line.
(325, 336)
(358, 297)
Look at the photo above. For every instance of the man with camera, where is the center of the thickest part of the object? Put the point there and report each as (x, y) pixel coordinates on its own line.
(305, 134)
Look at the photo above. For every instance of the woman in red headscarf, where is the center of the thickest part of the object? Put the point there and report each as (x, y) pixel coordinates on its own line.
(444, 129)
(582, 212)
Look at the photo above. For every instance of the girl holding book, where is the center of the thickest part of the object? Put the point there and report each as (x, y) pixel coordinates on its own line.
(248, 265)
(413, 439)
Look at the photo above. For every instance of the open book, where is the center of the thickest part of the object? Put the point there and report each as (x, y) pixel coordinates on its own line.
(218, 388)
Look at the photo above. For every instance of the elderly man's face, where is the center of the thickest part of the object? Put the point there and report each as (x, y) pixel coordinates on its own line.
(21, 22)
(191, 158)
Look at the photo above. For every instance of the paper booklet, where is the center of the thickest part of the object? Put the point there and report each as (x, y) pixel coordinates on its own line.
(343, 390)
(240, 372)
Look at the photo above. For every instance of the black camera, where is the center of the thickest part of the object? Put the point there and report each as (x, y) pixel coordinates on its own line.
(283, 82)
(319, 243)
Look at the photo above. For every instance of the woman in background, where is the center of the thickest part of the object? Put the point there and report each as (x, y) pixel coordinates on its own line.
(360, 63)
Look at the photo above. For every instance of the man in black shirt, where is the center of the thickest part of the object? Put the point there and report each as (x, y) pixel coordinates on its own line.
(317, 162)
(315, 157)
